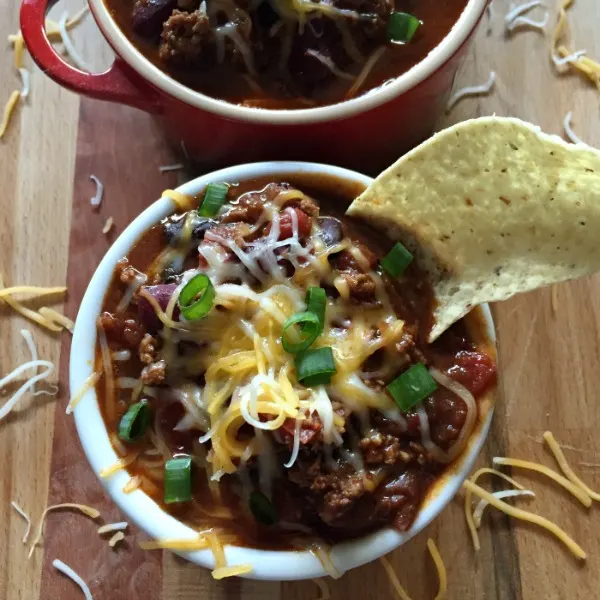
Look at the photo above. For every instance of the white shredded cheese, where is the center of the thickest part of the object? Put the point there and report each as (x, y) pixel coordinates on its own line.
(25, 83)
(528, 22)
(478, 512)
(108, 225)
(573, 137)
(560, 61)
(26, 517)
(66, 570)
(167, 168)
(96, 199)
(516, 11)
(68, 44)
(473, 90)
(110, 527)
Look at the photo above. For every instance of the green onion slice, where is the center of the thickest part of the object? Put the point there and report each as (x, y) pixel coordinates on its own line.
(197, 297)
(412, 387)
(402, 26)
(316, 301)
(214, 198)
(134, 422)
(315, 367)
(178, 480)
(396, 260)
(296, 339)
(262, 509)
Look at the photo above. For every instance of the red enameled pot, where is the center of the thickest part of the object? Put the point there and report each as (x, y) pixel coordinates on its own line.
(366, 133)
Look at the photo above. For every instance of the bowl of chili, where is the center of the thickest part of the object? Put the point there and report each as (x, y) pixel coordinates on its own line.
(409, 59)
(140, 416)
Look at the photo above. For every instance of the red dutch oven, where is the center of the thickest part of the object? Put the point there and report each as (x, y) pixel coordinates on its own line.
(365, 133)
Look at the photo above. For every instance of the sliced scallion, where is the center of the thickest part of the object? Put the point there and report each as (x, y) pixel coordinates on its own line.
(315, 367)
(178, 480)
(214, 198)
(412, 387)
(262, 508)
(402, 26)
(300, 331)
(396, 260)
(134, 422)
(197, 297)
(316, 301)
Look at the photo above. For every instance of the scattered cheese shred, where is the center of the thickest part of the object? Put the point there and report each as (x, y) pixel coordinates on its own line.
(89, 511)
(478, 512)
(566, 468)
(199, 543)
(8, 111)
(26, 517)
(525, 464)
(19, 47)
(573, 137)
(474, 90)
(96, 199)
(232, 571)
(110, 527)
(182, 201)
(66, 570)
(400, 591)
(323, 588)
(467, 506)
(524, 515)
(530, 23)
(38, 292)
(87, 385)
(441, 570)
(168, 168)
(116, 538)
(68, 44)
(108, 225)
(25, 81)
(56, 317)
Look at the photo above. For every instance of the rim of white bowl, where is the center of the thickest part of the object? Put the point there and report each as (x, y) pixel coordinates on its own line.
(140, 508)
(432, 62)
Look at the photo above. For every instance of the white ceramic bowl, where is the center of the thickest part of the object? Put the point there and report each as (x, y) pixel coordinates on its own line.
(267, 564)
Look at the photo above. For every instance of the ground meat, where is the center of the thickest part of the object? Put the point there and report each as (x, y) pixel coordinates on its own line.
(345, 261)
(362, 287)
(155, 373)
(229, 231)
(148, 349)
(187, 38)
(306, 205)
(249, 209)
(124, 332)
(378, 448)
(334, 493)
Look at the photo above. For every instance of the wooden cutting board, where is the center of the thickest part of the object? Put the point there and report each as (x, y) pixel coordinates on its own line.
(548, 348)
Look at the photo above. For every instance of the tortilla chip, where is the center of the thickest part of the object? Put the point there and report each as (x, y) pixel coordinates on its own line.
(490, 207)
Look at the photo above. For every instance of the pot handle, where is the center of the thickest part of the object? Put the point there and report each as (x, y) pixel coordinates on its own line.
(118, 84)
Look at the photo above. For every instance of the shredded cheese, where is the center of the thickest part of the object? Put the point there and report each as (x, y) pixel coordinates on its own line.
(96, 199)
(25, 81)
(116, 538)
(566, 468)
(525, 464)
(469, 91)
(467, 504)
(199, 543)
(110, 527)
(168, 168)
(66, 570)
(440, 568)
(523, 515)
(25, 516)
(89, 511)
(573, 137)
(58, 318)
(323, 588)
(233, 571)
(68, 44)
(478, 512)
(122, 463)
(86, 386)
(133, 484)
(400, 591)
(8, 111)
(182, 201)
(108, 225)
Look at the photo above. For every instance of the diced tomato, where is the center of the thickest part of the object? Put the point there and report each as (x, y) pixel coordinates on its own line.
(307, 433)
(285, 223)
(475, 370)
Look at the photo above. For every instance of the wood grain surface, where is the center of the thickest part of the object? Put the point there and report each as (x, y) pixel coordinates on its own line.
(49, 235)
